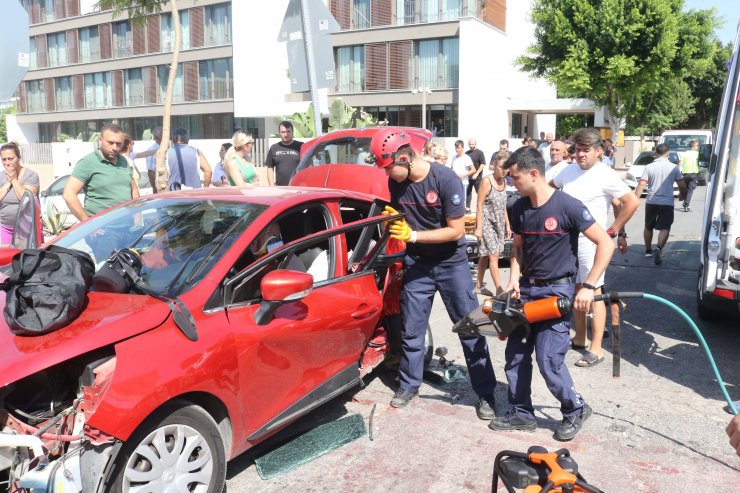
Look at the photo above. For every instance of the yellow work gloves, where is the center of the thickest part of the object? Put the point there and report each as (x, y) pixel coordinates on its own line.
(398, 228)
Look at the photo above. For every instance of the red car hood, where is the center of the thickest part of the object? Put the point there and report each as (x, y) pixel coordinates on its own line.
(108, 318)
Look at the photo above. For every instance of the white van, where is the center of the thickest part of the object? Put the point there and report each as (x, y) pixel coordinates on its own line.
(678, 141)
(718, 289)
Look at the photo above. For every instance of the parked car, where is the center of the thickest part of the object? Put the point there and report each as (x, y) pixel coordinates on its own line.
(634, 172)
(336, 160)
(52, 197)
(292, 293)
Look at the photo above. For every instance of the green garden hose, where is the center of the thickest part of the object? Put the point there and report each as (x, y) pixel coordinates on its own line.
(614, 297)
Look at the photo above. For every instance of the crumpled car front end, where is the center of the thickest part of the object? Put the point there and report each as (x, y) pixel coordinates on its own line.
(43, 434)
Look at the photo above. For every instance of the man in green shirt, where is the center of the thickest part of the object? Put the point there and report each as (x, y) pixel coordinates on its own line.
(688, 163)
(104, 175)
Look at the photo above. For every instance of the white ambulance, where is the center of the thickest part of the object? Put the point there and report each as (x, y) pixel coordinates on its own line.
(718, 289)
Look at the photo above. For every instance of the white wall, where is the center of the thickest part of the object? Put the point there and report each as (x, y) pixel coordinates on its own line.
(87, 6)
(483, 85)
(23, 133)
(261, 62)
(489, 80)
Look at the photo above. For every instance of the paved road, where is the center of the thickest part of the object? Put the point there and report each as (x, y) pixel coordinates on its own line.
(660, 427)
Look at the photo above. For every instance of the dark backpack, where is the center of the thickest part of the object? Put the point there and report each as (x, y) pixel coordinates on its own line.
(46, 289)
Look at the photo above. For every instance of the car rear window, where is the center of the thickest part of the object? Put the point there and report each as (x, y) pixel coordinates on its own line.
(347, 150)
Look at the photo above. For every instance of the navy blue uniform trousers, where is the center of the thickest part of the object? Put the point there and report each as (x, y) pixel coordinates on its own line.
(455, 285)
(550, 340)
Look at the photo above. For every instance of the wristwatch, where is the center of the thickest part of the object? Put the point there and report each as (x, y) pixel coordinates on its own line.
(588, 286)
(611, 232)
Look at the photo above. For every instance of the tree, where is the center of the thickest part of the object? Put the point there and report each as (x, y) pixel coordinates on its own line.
(3, 124)
(616, 52)
(138, 11)
(707, 86)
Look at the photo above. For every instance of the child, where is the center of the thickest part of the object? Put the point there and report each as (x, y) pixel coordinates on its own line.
(492, 224)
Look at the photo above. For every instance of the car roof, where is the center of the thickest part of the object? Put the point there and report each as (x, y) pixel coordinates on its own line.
(359, 133)
(263, 195)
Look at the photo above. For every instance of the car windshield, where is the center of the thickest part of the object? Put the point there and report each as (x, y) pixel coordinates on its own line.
(644, 159)
(179, 239)
(681, 142)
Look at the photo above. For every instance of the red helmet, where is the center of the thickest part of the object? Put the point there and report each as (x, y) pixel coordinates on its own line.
(384, 145)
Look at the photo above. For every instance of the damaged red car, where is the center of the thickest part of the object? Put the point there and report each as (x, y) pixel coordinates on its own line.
(292, 296)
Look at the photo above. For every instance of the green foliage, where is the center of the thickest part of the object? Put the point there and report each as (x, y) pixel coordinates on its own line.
(706, 86)
(341, 116)
(302, 123)
(567, 124)
(666, 107)
(620, 53)
(3, 125)
(54, 220)
(137, 10)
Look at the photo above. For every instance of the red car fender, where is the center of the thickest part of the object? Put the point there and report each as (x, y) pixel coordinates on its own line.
(140, 384)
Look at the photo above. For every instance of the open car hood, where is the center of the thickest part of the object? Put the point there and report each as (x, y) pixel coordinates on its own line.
(107, 319)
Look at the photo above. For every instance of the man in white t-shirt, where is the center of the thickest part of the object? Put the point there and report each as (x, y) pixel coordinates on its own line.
(557, 162)
(462, 165)
(544, 147)
(599, 187)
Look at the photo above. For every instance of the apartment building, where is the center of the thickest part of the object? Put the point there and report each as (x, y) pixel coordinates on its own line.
(395, 58)
(89, 68)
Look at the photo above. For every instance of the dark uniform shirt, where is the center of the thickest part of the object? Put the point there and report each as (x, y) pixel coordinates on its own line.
(284, 159)
(478, 158)
(550, 235)
(427, 205)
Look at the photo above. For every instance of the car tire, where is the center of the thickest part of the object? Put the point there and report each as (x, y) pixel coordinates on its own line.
(177, 434)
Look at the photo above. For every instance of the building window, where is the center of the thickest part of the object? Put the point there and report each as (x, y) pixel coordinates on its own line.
(351, 69)
(57, 49)
(133, 87)
(217, 25)
(64, 99)
(167, 30)
(216, 79)
(123, 44)
(89, 44)
(438, 63)
(33, 58)
(35, 96)
(361, 14)
(178, 94)
(98, 90)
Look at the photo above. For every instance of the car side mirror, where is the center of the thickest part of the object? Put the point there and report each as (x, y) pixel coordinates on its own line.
(278, 287)
(705, 154)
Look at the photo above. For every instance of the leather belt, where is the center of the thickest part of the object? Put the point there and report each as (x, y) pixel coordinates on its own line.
(551, 282)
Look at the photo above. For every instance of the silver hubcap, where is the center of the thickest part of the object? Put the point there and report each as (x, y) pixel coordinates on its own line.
(171, 459)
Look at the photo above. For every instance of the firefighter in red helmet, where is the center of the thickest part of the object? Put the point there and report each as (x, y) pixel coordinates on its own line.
(432, 198)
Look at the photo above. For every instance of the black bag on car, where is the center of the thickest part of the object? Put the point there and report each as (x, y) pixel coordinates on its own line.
(46, 289)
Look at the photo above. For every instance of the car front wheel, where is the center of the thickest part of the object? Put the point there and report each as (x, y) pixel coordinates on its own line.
(178, 449)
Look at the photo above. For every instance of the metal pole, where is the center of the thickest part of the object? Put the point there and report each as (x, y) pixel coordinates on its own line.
(306, 16)
(423, 107)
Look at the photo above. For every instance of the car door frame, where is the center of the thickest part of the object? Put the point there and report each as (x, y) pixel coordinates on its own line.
(263, 423)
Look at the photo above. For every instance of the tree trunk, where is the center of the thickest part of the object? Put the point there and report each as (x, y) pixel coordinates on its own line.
(162, 174)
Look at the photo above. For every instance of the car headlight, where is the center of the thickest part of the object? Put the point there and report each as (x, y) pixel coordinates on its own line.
(629, 177)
